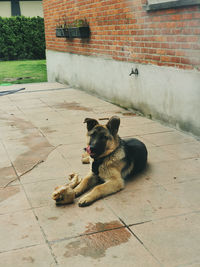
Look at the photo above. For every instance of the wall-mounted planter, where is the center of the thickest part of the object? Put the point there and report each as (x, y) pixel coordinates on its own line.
(62, 33)
(79, 32)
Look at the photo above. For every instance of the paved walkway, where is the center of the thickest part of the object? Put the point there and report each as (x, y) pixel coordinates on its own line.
(154, 221)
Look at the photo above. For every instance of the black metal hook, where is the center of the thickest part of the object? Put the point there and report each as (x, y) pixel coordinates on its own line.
(136, 72)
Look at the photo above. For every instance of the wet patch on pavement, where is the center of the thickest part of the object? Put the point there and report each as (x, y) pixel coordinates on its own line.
(72, 106)
(95, 245)
(38, 148)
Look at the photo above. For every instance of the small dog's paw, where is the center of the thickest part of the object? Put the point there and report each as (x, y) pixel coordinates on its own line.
(85, 201)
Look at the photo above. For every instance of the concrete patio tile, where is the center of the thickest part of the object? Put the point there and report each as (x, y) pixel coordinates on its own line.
(173, 241)
(18, 230)
(81, 97)
(136, 205)
(69, 127)
(175, 171)
(55, 166)
(143, 129)
(7, 174)
(16, 121)
(15, 148)
(38, 255)
(184, 151)
(10, 133)
(169, 138)
(39, 193)
(108, 248)
(45, 119)
(130, 117)
(73, 117)
(63, 135)
(4, 159)
(61, 222)
(33, 103)
(25, 161)
(65, 103)
(158, 154)
(187, 193)
(32, 113)
(7, 106)
(191, 264)
(12, 199)
(72, 153)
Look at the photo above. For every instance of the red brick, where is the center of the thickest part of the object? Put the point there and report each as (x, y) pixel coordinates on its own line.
(166, 37)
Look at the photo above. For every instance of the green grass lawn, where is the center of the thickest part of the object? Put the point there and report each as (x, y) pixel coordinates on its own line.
(22, 71)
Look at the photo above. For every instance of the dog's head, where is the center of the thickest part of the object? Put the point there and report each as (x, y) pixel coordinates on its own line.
(102, 139)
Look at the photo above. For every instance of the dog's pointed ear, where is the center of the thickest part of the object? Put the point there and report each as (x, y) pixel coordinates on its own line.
(90, 123)
(113, 125)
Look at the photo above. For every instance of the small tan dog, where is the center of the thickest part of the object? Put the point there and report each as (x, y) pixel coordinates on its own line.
(64, 194)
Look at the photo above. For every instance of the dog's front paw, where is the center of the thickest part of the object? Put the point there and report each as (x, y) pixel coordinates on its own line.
(85, 201)
(77, 191)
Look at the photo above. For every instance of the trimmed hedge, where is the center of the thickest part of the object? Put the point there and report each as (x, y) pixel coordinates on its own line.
(22, 38)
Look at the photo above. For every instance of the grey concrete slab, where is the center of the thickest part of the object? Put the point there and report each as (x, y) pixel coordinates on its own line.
(38, 255)
(174, 241)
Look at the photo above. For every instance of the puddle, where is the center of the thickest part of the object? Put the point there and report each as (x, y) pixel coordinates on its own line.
(127, 113)
(95, 245)
(99, 227)
(72, 106)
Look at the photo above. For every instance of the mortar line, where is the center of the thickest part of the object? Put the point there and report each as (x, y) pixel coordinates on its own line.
(133, 224)
(41, 229)
(33, 210)
(85, 234)
(139, 240)
(130, 230)
(14, 249)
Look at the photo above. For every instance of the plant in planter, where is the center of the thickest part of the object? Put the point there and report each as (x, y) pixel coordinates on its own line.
(79, 29)
(62, 28)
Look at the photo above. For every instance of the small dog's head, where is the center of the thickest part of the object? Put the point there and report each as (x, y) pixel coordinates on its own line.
(102, 139)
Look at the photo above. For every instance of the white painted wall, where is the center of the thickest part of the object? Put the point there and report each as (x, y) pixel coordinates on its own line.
(31, 8)
(5, 9)
(164, 93)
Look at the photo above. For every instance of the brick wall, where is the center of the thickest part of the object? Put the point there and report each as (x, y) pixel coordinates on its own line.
(123, 30)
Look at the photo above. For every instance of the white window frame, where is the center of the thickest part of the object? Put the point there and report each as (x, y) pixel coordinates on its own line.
(165, 4)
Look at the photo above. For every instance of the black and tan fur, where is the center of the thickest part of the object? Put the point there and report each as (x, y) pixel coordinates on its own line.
(114, 159)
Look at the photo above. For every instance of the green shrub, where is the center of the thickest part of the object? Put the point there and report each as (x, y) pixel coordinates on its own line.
(22, 38)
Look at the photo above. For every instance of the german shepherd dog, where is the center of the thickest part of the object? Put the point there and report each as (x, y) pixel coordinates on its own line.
(114, 160)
